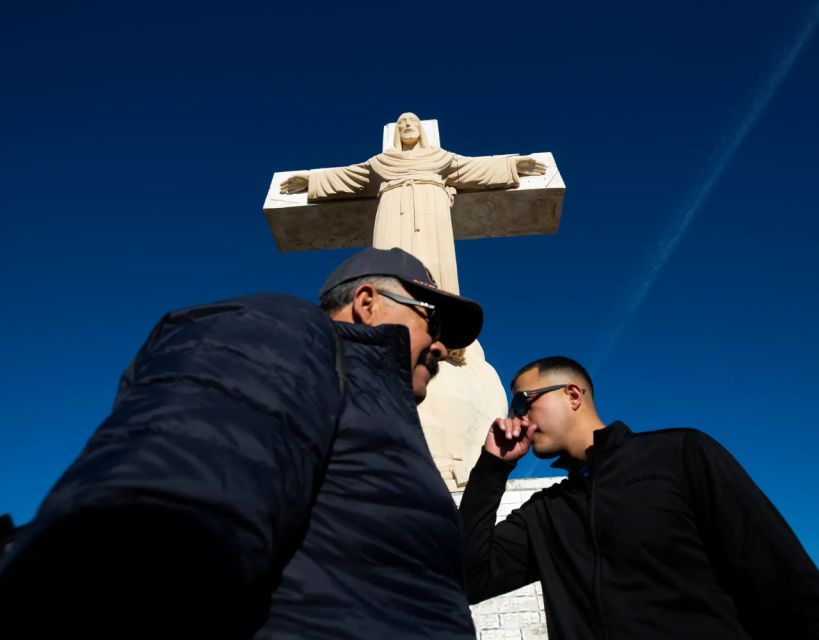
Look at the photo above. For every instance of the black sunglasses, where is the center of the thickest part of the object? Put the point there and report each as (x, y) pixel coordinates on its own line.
(432, 316)
(522, 400)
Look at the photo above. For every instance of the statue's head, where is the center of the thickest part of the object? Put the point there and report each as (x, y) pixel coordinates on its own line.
(409, 133)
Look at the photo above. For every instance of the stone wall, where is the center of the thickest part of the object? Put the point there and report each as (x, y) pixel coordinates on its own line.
(518, 615)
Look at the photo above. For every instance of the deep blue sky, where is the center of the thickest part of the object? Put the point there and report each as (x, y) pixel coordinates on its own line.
(138, 140)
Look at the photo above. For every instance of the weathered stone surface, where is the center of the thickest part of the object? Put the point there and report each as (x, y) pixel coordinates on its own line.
(532, 208)
(500, 634)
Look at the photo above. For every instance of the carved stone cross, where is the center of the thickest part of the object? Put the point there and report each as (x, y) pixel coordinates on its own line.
(404, 197)
(482, 208)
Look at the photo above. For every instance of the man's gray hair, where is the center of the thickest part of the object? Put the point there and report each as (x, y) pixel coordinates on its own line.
(341, 295)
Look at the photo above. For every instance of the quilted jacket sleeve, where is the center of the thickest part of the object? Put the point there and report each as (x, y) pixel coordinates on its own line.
(190, 497)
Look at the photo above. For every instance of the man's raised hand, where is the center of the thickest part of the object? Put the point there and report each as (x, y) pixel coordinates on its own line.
(509, 438)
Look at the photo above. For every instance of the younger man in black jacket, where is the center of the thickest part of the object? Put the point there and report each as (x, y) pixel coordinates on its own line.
(653, 535)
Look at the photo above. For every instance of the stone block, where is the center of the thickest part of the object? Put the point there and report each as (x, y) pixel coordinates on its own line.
(522, 603)
(519, 619)
(486, 621)
(533, 632)
(500, 634)
(509, 604)
(487, 606)
(531, 484)
(504, 511)
(511, 497)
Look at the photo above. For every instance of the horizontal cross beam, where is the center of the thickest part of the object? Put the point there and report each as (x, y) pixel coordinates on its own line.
(532, 208)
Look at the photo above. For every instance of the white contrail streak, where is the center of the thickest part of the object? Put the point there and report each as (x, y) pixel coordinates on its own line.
(692, 206)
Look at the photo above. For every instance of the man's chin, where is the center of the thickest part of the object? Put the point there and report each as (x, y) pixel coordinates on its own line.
(419, 390)
(543, 451)
(421, 378)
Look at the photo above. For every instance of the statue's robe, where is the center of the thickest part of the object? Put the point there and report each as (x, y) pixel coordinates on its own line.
(416, 189)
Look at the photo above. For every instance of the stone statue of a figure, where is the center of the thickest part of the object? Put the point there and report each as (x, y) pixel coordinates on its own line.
(416, 188)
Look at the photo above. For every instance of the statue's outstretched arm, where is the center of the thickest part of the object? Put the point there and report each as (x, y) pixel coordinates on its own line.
(343, 182)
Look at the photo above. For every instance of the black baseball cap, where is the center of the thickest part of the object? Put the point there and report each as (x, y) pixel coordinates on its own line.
(461, 318)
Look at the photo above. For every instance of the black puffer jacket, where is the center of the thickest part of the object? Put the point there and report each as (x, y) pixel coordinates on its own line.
(235, 466)
(663, 536)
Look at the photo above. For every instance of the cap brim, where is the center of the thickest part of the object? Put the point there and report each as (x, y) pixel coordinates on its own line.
(461, 318)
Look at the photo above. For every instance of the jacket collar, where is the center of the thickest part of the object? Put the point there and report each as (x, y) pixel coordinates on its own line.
(385, 349)
(386, 335)
(605, 441)
(391, 342)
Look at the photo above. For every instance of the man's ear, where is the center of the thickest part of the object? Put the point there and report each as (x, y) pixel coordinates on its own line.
(366, 306)
(576, 395)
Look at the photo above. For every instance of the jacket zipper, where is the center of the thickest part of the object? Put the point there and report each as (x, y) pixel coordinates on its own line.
(596, 579)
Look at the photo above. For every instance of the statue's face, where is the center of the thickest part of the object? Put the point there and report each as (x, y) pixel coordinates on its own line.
(409, 128)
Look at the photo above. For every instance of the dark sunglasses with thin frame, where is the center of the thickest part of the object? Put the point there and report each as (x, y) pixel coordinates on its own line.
(522, 400)
(432, 316)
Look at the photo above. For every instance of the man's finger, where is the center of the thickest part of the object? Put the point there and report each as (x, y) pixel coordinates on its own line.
(502, 425)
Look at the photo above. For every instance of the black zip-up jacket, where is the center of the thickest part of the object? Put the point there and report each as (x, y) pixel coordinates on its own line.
(662, 536)
(241, 479)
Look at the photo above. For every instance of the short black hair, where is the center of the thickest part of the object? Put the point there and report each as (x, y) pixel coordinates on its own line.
(556, 363)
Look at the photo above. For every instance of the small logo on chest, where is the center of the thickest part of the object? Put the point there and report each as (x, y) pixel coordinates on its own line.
(644, 478)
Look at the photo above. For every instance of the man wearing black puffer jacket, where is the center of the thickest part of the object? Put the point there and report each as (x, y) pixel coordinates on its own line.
(263, 474)
(655, 535)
